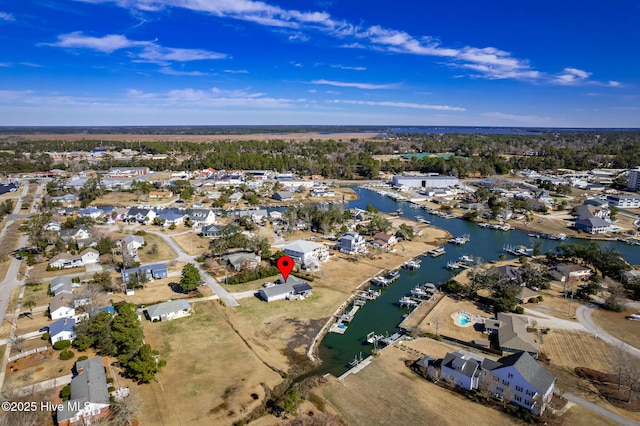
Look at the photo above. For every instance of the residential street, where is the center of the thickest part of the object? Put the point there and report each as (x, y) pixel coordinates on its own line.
(599, 410)
(584, 316)
(210, 281)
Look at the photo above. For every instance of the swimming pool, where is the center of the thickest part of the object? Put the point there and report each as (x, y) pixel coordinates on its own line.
(463, 319)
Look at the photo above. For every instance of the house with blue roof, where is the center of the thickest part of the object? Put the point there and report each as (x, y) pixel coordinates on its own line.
(169, 218)
(154, 271)
(62, 329)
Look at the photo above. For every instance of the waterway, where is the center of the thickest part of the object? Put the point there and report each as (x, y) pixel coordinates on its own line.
(383, 315)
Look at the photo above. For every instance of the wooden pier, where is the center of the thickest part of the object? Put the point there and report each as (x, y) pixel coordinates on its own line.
(415, 318)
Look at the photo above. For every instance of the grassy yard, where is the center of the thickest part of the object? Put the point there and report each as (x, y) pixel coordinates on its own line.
(618, 326)
(211, 377)
(163, 253)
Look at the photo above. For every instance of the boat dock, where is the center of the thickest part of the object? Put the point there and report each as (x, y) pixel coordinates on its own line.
(518, 250)
(415, 318)
(438, 251)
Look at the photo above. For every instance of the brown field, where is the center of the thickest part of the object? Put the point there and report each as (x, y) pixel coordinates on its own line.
(388, 392)
(297, 137)
(164, 251)
(615, 324)
(192, 243)
(210, 375)
(35, 322)
(5, 326)
(578, 349)
(158, 291)
(39, 272)
(39, 367)
(37, 292)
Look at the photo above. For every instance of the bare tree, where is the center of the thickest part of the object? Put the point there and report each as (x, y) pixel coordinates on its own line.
(18, 342)
(124, 411)
(24, 417)
(92, 295)
(508, 395)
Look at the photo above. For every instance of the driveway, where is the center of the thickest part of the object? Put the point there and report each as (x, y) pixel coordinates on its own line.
(183, 256)
(584, 316)
(608, 414)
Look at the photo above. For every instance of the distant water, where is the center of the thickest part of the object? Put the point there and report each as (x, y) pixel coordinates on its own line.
(467, 130)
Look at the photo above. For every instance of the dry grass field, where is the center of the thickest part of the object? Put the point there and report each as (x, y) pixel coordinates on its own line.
(618, 326)
(192, 243)
(163, 253)
(578, 349)
(389, 393)
(211, 377)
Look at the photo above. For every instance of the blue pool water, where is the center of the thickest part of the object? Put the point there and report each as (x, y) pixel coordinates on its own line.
(463, 319)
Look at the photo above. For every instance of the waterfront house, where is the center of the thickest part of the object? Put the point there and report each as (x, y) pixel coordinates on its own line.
(384, 241)
(62, 329)
(307, 254)
(352, 243)
(593, 225)
(293, 288)
(521, 379)
(89, 400)
(624, 201)
(61, 306)
(460, 369)
(169, 310)
(570, 272)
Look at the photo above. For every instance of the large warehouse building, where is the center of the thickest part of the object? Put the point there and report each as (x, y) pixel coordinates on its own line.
(425, 181)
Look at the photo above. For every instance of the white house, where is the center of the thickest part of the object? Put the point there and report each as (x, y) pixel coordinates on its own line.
(202, 217)
(79, 233)
(141, 215)
(570, 272)
(171, 218)
(90, 256)
(461, 369)
(62, 329)
(132, 243)
(528, 384)
(307, 254)
(61, 306)
(593, 225)
(167, 311)
(352, 243)
(235, 197)
(624, 201)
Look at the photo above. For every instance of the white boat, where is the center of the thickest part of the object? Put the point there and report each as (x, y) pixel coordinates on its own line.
(412, 264)
(466, 259)
(407, 301)
(453, 265)
(438, 251)
(373, 338)
(380, 281)
(460, 241)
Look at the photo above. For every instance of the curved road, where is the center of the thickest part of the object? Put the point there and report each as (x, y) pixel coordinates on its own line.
(584, 316)
(208, 279)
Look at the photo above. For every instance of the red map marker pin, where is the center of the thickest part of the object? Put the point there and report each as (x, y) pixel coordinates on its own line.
(285, 266)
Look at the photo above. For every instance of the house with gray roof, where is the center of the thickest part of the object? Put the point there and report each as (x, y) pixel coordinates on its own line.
(460, 369)
(62, 284)
(242, 260)
(201, 217)
(283, 196)
(593, 225)
(513, 336)
(132, 242)
(307, 254)
(520, 377)
(89, 401)
(62, 306)
(167, 311)
(293, 288)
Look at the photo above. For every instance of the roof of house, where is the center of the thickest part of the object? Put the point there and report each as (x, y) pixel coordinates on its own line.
(531, 371)
(510, 272)
(61, 280)
(133, 238)
(282, 195)
(62, 325)
(293, 284)
(236, 259)
(527, 293)
(593, 222)
(465, 366)
(302, 246)
(165, 308)
(513, 334)
(382, 236)
(89, 385)
(60, 301)
(571, 267)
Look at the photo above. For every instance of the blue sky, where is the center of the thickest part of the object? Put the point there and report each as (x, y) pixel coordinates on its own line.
(542, 63)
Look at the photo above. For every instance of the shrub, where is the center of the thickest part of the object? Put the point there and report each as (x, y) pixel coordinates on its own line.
(65, 393)
(109, 379)
(45, 336)
(540, 298)
(66, 354)
(83, 358)
(519, 310)
(61, 344)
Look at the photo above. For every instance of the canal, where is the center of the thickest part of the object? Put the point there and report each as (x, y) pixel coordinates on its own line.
(383, 315)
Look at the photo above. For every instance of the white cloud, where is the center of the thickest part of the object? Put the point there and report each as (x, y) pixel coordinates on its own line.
(356, 85)
(171, 71)
(5, 64)
(299, 37)
(159, 54)
(614, 83)
(398, 105)
(150, 50)
(4, 16)
(106, 44)
(344, 67)
(572, 76)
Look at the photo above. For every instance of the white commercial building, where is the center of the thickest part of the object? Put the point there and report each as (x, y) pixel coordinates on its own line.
(425, 181)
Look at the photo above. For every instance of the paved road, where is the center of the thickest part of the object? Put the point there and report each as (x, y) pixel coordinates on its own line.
(584, 316)
(208, 279)
(608, 414)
